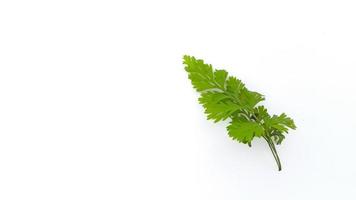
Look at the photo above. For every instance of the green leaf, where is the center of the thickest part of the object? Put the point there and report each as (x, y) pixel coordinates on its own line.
(261, 113)
(234, 86)
(243, 130)
(212, 97)
(278, 137)
(200, 74)
(280, 123)
(220, 78)
(218, 106)
(250, 99)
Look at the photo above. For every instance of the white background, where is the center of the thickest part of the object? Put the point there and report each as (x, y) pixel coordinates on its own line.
(95, 104)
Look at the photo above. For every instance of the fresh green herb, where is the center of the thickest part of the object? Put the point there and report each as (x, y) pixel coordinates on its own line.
(224, 97)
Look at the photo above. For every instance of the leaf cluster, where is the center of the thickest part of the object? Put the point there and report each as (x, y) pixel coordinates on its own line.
(226, 97)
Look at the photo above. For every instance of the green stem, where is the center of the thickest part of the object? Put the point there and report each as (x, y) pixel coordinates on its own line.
(274, 152)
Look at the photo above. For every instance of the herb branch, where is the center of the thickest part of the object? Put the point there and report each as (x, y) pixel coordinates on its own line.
(226, 97)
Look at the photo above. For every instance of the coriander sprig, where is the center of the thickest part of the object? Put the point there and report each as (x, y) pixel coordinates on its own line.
(224, 97)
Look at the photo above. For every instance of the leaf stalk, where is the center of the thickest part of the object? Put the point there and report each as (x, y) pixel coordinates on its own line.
(274, 151)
